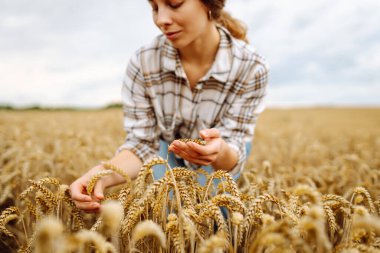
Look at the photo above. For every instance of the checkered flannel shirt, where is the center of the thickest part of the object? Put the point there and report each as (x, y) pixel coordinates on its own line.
(159, 103)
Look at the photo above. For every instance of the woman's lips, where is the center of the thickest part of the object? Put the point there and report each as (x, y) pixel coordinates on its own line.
(172, 35)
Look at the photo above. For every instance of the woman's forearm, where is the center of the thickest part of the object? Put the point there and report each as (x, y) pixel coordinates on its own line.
(125, 160)
(227, 158)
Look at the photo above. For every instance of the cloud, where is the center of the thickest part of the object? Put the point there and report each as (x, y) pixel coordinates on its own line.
(75, 53)
(67, 52)
(310, 94)
(54, 86)
(320, 42)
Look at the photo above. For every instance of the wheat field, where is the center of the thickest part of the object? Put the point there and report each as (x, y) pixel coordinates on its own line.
(311, 184)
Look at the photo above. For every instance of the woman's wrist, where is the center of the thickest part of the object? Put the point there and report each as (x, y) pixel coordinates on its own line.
(227, 158)
(107, 181)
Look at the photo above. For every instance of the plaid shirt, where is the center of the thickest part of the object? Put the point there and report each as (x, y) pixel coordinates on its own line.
(159, 103)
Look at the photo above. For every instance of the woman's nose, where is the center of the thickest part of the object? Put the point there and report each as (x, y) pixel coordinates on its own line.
(163, 18)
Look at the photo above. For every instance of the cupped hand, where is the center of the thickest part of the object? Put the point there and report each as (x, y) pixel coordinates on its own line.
(78, 191)
(199, 154)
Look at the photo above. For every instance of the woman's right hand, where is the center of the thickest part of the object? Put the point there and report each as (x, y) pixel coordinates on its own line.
(85, 202)
(125, 159)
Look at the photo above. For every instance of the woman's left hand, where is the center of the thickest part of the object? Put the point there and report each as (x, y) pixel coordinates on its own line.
(199, 154)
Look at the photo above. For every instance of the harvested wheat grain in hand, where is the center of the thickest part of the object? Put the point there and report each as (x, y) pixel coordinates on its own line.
(197, 141)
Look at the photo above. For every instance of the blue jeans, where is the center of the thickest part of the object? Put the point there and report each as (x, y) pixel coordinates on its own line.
(159, 170)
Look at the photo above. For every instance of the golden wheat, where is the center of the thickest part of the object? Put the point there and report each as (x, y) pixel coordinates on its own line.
(307, 188)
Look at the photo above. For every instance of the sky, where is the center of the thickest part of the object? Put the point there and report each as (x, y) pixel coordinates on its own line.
(74, 53)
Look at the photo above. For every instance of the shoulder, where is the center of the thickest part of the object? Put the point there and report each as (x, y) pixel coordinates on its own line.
(249, 70)
(245, 57)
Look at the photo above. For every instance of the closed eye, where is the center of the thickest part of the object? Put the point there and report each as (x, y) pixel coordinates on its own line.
(175, 5)
(172, 4)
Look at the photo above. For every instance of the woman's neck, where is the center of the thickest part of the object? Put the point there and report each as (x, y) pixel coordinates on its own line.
(203, 50)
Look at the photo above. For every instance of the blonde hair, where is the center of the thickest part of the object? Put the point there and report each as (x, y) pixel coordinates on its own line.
(233, 25)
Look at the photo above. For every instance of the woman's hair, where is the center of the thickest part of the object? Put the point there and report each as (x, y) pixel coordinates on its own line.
(234, 26)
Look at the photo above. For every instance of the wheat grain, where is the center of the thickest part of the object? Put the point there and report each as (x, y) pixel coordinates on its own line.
(362, 190)
(210, 210)
(138, 204)
(231, 202)
(110, 166)
(4, 222)
(86, 237)
(112, 196)
(123, 196)
(48, 232)
(148, 228)
(75, 212)
(305, 190)
(333, 226)
(112, 214)
(215, 243)
(144, 173)
(332, 197)
(197, 141)
(94, 179)
(236, 220)
(313, 227)
(331, 165)
(173, 228)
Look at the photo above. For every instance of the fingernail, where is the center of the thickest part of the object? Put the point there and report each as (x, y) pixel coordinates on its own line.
(86, 198)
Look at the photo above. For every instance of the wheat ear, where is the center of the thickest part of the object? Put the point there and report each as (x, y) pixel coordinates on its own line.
(95, 178)
(148, 228)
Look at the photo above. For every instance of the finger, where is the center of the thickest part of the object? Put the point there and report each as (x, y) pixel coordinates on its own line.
(187, 150)
(76, 192)
(184, 147)
(171, 148)
(190, 151)
(87, 206)
(209, 133)
(98, 191)
(178, 144)
(203, 150)
(196, 160)
(191, 154)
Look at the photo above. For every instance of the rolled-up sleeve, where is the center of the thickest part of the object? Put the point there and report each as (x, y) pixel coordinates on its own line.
(238, 123)
(139, 118)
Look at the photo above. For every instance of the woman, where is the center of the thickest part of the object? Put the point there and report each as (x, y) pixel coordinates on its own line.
(198, 79)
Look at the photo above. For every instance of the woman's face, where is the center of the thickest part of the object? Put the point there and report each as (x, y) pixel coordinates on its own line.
(182, 21)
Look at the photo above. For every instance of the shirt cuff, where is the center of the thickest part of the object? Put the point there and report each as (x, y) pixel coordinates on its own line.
(240, 150)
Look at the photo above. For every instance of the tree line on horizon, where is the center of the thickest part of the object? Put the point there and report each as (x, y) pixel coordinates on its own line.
(43, 108)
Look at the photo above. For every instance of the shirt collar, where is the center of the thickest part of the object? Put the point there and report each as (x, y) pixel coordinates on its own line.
(221, 66)
(170, 57)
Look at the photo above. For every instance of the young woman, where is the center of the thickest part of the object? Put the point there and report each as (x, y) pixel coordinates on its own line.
(199, 79)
